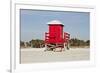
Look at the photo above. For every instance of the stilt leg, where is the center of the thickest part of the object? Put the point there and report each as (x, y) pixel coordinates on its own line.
(67, 46)
(45, 47)
(64, 46)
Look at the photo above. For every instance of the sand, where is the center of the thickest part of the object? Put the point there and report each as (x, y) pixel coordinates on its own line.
(37, 55)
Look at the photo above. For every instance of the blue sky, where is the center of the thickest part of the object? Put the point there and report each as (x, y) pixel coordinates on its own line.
(34, 23)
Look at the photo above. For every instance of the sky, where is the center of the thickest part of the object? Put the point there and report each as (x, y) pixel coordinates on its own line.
(34, 23)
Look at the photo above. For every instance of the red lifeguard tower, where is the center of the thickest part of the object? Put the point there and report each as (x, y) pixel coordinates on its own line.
(56, 38)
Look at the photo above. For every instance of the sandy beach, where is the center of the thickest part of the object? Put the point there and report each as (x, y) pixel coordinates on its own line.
(37, 55)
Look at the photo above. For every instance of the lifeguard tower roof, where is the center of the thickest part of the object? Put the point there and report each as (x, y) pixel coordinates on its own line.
(54, 22)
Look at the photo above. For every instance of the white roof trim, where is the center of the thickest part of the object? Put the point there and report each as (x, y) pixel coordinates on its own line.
(54, 22)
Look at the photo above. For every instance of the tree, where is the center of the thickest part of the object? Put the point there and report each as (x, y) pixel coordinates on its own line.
(22, 44)
(37, 43)
(77, 42)
(87, 42)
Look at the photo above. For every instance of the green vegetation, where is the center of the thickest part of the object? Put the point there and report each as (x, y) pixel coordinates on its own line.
(37, 43)
(33, 43)
(74, 42)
